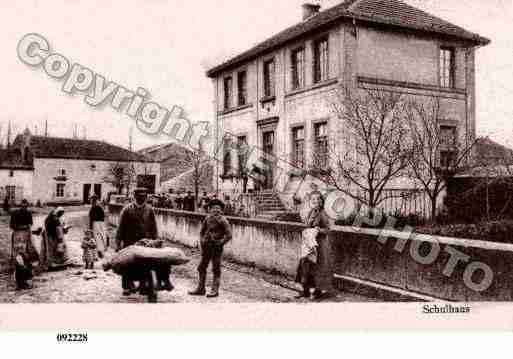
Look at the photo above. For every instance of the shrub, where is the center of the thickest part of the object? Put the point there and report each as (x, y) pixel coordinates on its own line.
(402, 220)
(493, 231)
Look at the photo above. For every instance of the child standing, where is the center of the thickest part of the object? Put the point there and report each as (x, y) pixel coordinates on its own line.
(89, 247)
(215, 233)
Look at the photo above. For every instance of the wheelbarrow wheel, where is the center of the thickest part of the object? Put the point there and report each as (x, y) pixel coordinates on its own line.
(152, 287)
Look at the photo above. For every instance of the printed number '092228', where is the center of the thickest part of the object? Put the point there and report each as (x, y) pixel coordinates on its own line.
(72, 337)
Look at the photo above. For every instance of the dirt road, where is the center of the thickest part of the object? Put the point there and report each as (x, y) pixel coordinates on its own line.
(76, 285)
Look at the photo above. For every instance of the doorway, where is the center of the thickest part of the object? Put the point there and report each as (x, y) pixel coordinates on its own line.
(268, 146)
(86, 193)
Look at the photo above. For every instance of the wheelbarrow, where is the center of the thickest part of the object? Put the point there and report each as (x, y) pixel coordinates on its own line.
(141, 264)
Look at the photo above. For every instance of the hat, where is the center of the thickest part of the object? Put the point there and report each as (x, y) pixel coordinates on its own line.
(59, 209)
(216, 202)
(94, 196)
(140, 190)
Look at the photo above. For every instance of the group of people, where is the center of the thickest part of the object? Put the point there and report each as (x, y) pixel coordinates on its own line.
(137, 225)
(52, 253)
(188, 202)
(179, 200)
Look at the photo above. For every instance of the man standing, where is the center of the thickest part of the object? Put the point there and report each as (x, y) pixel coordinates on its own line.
(137, 221)
(215, 233)
(188, 202)
(203, 204)
(23, 251)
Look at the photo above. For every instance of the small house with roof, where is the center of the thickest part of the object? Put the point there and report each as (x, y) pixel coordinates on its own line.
(56, 170)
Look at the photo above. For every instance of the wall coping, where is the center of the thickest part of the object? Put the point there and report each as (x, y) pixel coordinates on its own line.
(457, 242)
(296, 227)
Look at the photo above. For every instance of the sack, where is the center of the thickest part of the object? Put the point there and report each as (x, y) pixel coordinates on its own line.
(145, 258)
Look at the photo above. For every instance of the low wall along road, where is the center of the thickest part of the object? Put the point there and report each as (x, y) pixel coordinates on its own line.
(445, 268)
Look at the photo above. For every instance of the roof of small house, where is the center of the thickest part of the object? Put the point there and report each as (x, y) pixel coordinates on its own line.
(381, 12)
(72, 148)
(11, 159)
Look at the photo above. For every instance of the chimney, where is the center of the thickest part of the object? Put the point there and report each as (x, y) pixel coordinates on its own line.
(310, 10)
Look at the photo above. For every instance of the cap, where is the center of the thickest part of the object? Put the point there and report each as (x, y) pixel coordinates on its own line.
(216, 202)
(140, 190)
(59, 209)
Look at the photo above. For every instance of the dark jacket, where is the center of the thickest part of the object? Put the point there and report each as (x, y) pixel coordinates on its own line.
(96, 214)
(215, 229)
(188, 203)
(21, 219)
(136, 223)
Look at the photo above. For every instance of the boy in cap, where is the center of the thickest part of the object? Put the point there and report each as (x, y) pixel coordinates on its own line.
(215, 233)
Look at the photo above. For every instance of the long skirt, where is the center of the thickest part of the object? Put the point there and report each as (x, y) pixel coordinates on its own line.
(324, 269)
(22, 245)
(318, 275)
(100, 237)
(54, 253)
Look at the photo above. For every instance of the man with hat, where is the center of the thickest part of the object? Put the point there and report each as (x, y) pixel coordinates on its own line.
(137, 221)
(215, 233)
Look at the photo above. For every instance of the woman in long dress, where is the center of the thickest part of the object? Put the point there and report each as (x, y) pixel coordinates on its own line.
(317, 274)
(54, 251)
(97, 225)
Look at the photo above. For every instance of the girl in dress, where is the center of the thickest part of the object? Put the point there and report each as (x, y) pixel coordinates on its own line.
(89, 249)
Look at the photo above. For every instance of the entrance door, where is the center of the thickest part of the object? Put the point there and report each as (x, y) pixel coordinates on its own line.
(86, 193)
(268, 148)
(98, 190)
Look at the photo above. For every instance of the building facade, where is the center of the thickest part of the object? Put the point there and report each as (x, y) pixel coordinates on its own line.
(277, 96)
(53, 170)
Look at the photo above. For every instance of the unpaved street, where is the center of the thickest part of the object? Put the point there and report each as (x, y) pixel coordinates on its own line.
(76, 285)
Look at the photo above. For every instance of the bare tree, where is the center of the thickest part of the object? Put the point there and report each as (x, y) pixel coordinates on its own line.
(375, 153)
(199, 161)
(121, 175)
(437, 151)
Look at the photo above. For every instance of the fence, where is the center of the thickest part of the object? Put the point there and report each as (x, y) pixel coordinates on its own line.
(407, 202)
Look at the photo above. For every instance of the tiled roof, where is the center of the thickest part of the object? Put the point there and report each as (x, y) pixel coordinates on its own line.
(71, 148)
(385, 12)
(11, 159)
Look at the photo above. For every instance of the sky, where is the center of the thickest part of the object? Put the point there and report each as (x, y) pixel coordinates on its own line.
(167, 46)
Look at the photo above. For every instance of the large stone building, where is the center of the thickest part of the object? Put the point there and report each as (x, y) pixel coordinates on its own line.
(68, 170)
(274, 96)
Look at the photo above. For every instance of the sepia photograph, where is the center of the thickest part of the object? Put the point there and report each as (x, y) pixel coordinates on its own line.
(237, 155)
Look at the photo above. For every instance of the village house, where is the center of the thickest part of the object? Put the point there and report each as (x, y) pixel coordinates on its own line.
(274, 96)
(54, 170)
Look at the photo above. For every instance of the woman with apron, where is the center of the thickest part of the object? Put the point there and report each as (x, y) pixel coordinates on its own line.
(54, 250)
(317, 274)
(97, 225)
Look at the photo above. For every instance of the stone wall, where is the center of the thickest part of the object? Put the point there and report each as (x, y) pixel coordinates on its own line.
(419, 263)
